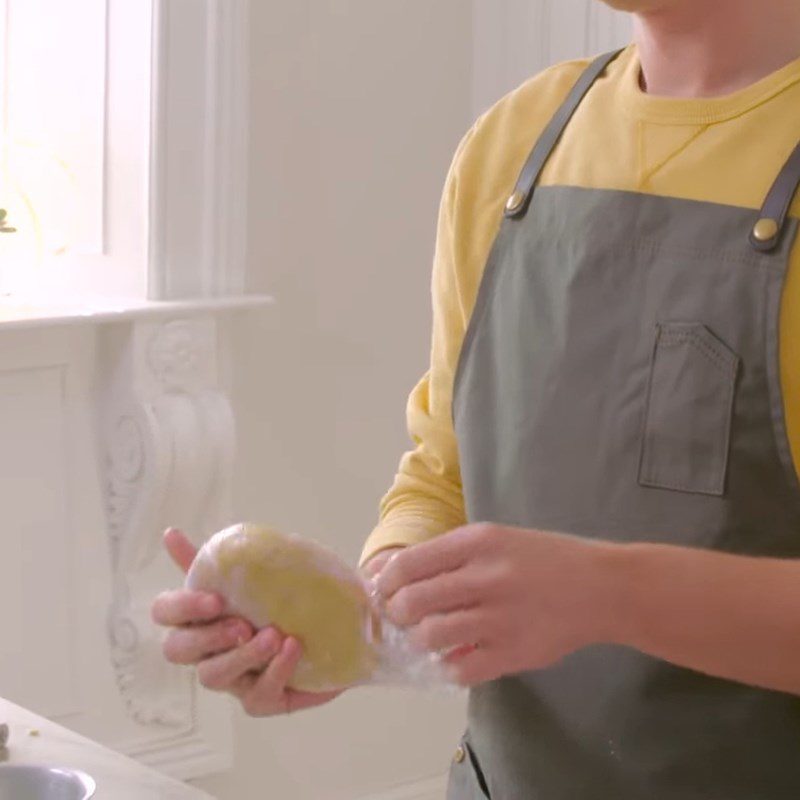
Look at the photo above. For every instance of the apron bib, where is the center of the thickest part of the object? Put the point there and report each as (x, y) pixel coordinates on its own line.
(619, 380)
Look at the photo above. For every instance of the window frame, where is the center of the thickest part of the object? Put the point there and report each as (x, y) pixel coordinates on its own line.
(174, 167)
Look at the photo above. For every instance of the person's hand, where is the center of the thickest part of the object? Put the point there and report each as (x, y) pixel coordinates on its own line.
(372, 568)
(499, 600)
(230, 655)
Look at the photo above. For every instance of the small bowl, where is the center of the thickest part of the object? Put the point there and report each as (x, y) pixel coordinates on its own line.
(23, 782)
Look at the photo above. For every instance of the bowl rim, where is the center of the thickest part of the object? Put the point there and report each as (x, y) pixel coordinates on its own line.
(86, 781)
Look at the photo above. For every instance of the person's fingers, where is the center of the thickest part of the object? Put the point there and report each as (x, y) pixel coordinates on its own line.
(180, 549)
(268, 694)
(378, 562)
(445, 553)
(445, 631)
(457, 653)
(282, 667)
(184, 607)
(223, 672)
(476, 666)
(287, 702)
(300, 701)
(446, 592)
(190, 645)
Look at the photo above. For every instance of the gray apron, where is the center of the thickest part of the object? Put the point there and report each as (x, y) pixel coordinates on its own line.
(619, 380)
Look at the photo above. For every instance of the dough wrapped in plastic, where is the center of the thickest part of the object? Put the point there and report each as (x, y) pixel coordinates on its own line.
(307, 591)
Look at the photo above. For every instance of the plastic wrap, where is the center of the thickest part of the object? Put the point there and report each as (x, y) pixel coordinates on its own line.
(307, 591)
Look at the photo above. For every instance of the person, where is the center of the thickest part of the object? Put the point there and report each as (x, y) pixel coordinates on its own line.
(600, 523)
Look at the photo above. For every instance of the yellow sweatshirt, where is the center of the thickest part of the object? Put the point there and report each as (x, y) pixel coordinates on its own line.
(726, 150)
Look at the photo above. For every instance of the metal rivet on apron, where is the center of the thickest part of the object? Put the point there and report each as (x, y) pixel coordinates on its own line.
(765, 229)
(460, 754)
(515, 201)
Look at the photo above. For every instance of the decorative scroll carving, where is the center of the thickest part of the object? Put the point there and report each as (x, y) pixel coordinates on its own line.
(169, 440)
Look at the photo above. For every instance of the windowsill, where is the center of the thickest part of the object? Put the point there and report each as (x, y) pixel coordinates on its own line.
(18, 312)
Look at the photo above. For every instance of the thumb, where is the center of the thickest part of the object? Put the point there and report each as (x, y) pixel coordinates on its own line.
(180, 549)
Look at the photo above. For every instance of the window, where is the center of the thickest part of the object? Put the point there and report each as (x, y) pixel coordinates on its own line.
(121, 148)
(73, 175)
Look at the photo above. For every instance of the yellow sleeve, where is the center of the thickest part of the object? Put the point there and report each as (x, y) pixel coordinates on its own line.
(426, 499)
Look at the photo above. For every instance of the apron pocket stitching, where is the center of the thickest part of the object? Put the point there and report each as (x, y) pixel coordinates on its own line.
(725, 361)
(688, 454)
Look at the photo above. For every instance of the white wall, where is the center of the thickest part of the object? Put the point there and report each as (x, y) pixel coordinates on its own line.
(515, 39)
(357, 106)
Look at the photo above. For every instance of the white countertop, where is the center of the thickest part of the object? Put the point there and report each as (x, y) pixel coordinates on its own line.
(35, 740)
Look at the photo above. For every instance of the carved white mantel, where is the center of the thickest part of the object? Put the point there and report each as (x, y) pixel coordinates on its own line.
(169, 440)
(116, 423)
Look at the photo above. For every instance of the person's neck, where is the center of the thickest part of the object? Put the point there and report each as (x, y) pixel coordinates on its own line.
(715, 48)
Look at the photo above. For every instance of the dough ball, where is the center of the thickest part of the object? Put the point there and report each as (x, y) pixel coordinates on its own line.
(301, 588)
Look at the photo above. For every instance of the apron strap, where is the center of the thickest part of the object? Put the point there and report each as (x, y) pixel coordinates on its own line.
(519, 201)
(766, 233)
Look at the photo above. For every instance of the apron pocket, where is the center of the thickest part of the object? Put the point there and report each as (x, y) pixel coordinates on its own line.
(687, 423)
